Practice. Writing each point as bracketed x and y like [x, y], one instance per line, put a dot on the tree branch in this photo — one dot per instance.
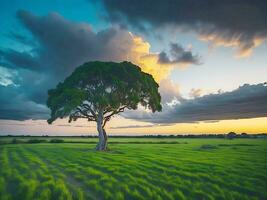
[83, 112]
[79, 113]
[90, 109]
[108, 117]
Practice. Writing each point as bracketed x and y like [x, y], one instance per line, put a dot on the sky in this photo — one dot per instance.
[209, 59]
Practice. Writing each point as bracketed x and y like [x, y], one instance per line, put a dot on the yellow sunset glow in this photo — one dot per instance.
[253, 125]
[140, 55]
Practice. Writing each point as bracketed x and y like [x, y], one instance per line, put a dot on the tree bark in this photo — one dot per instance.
[102, 143]
[106, 138]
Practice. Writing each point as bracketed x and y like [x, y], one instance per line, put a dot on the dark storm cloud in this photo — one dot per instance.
[63, 45]
[58, 47]
[248, 101]
[238, 23]
[178, 55]
[18, 59]
[16, 106]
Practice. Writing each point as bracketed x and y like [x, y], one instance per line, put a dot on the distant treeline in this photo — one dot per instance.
[19, 139]
[228, 135]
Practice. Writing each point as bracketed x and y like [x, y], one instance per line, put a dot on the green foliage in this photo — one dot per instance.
[63, 100]
[14, 141]
[106, 85]
[36, 141]
[231, 135]
[154, 170]
[56, 141]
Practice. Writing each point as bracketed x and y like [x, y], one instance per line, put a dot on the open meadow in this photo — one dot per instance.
[147, 168]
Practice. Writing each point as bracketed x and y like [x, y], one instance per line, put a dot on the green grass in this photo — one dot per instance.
[187, 169]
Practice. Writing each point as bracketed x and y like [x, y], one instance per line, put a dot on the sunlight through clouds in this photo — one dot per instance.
[242, 50]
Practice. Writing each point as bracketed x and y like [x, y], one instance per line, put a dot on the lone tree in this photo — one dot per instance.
[97, 91]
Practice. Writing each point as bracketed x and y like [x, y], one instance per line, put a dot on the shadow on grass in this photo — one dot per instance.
[207, 147]
[237, 145]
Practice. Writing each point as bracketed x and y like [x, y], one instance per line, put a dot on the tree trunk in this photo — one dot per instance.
[106, 138]
[102, 144]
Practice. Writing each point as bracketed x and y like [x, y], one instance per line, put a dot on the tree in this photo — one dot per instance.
[98, 90]
[231, 135]
[244, 135]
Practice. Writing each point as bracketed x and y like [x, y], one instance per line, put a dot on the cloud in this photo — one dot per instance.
[16, 106]
[239, 24]
[18, 37]
[169, 91]
[248, 101]
[178, 56]
[64, 45]
[194, 93]
[132, 126]
[7, 76]
[16, 59]
[56, 47]
[138, 126]
[244, 47]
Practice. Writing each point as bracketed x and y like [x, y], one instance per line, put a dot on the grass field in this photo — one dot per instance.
[184, 169]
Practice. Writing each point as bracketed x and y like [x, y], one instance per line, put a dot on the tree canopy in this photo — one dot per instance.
[102, 89]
